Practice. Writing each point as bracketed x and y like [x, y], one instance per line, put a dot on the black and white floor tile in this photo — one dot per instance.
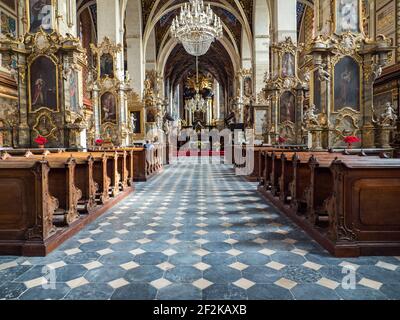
[196, 231]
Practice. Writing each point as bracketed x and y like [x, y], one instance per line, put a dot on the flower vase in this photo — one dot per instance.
[41, 146]
[349, 146]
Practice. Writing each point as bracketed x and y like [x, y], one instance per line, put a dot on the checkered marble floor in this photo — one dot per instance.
[196, 231]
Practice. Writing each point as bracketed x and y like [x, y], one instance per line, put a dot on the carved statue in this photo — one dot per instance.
[323, 75]
[377, 71]
[388, 117]
[148, 90]
[309, 117]
[132, 122]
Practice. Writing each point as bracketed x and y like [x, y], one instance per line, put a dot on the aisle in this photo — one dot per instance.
[195, 232]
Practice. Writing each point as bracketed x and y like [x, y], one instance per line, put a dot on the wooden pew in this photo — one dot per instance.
[363, 210]
[308, 192]
[83, 178]
[26, 206]
[61, 181]
[69, 197]
[102, 161]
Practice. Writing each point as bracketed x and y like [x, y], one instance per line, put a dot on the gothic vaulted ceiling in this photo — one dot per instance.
[228, 18]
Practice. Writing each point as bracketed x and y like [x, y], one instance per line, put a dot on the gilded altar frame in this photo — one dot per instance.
[135, 105]
[53, 130]
[106, 47]
[113, 92]
[333, 17]
[334, 4]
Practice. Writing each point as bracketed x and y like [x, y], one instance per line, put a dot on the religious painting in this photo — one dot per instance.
[248, 87]
[108, 108]
[287, 107]
[317, 92]
[136, 122]
[8, 25]
[10, 4]
[43, 86]
[347, 84]
[73, 91]
[347, 16]
[288, 65]
[41, 15]
[106, 65]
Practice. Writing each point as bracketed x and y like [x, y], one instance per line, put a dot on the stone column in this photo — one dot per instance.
[261, 60]
[134, 42]
[285, 20]
[109, 25]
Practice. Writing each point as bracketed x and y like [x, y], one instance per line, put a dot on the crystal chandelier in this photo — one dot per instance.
[196, 27]
[197, 103]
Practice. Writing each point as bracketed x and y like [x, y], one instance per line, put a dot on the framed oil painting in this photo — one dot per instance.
[108, 108]
[106, 65]
[8, 24]
[316, 98]
[347, 16]
[346, 84]
[43, 85]
[288, 65]
[287, 107]
[136, 122]
[73, 91]
[41, 15]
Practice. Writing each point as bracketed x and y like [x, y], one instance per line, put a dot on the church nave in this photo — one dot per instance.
[195, 231]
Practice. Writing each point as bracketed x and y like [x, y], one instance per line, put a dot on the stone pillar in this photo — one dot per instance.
[134, 42]
[261, 58]
[109, 25]
[285, 20]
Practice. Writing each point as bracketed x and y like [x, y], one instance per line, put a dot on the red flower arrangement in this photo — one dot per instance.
[41, 141]
[99, 142]
[281, 140]
[349, 140]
